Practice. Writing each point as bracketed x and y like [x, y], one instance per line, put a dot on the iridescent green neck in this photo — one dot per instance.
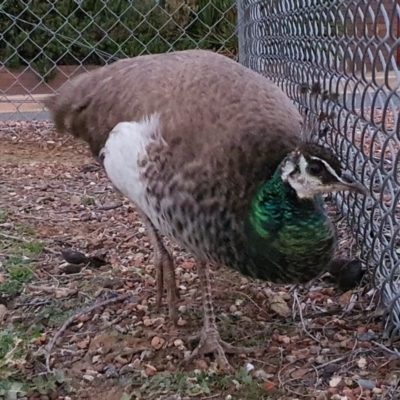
[287, 239]
[276, 203]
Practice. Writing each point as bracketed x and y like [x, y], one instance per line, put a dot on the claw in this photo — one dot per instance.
[211, 342]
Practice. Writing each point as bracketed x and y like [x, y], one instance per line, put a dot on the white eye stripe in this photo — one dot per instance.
[328, 167]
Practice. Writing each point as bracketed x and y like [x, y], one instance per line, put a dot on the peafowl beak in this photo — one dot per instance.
[347, 182]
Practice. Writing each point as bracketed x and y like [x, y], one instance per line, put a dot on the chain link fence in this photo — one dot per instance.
[349, 47]
[43, 43]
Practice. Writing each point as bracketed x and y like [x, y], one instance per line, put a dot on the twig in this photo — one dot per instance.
[110, 206]
[330, 362]
[52, 289]
[383, 347]
[16, 238]
[303, 324]
[23, 240]
[71, 319]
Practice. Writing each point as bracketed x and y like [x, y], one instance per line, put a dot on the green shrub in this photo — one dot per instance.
[44, 33]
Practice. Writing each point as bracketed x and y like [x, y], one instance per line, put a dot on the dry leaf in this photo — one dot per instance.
[83, 344]
[3, 311]
[299, 373]
[270, 386]
[279, 305]
[59, 294]
[157, 342]
[335, 381]
[345, 298]
[362, 363]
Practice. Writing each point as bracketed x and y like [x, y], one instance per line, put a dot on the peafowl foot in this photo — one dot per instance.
[165, 272]
[211, 343]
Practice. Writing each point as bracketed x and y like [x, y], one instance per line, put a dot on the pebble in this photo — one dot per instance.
[96, 359]
[88, 378]
[261, 375]
[126, 369]
[314, 349]
[232, 309]
[111, 371]
[366, 384]
[157, 342]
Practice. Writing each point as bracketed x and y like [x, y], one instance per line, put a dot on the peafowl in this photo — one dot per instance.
[212, 155]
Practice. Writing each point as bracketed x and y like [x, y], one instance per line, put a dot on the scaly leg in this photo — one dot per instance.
[210, 339]
[165, 272]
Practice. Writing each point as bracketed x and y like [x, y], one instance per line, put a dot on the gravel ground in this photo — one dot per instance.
[320, 342]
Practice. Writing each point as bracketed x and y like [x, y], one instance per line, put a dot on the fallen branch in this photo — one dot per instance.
[23, 240]
[70, 320]
[16, 238]
[57, 291]
[110, 206]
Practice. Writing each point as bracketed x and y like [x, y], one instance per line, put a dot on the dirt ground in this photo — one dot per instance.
[318, 343]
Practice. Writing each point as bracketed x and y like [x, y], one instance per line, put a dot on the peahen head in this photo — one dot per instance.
[313, 170]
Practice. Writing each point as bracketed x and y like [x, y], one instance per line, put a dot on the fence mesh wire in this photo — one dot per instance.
[348, 47]
[44, 43]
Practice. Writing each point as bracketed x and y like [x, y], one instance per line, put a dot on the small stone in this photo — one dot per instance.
[249, 367]
[96, 359]
[111, 371]
[121, 360]
[377, 390]
[150, 370]
[178, 342]
[157, 342]
[181, 322]
[232, 309]
[182, 309]
[366, 384]
[88, 378]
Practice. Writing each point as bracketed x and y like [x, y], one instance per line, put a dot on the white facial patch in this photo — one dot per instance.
[305, 184]
[329, 168]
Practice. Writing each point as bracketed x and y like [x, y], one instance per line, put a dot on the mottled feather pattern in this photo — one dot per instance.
[223, 136]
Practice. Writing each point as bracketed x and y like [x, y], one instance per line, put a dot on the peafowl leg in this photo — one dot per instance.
[210, 339]
[165, 272]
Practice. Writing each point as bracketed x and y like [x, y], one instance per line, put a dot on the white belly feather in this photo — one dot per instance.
[125, 147]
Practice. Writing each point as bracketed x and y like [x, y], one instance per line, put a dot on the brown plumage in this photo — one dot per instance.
[206, 133]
